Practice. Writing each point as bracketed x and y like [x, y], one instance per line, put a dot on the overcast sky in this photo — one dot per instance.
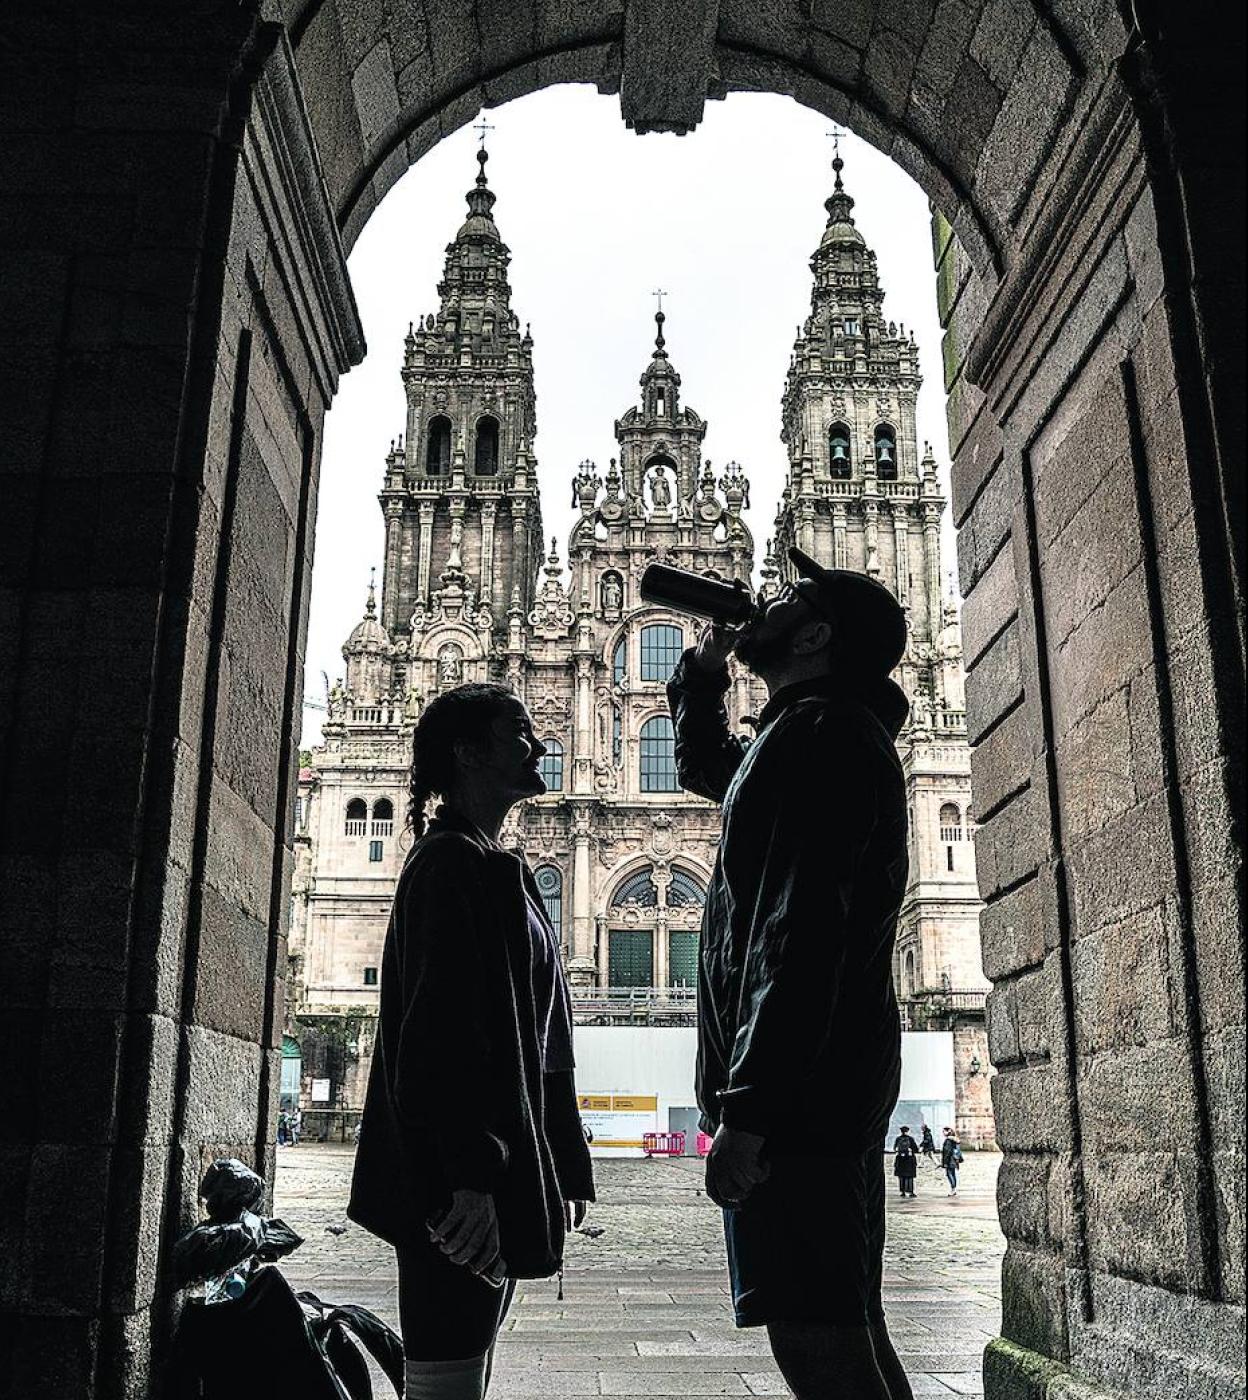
[596, 218]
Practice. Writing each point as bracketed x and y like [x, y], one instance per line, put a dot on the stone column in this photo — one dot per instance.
[662, 942]
[489, 510]
[390, 572]
[603, 948]
[806, 526]
[582, 967]
[583, 738]
[901, 536]
[520, 548]
[424, 549]
[931, 568]
[838, 535]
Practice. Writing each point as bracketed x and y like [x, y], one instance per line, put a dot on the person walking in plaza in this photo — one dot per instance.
[471, 1160]
[905, 1161]
[951, 1159]
[927, 1145]
[795, 995]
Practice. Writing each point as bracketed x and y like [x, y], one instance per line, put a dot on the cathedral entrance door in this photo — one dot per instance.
[630, 958]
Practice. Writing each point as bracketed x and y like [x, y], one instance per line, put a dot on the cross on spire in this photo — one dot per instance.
[837, 163]
[484, 128]
[659, 293]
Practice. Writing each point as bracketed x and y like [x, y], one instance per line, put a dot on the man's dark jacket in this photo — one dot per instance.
[457, 1096]
[799, 1037]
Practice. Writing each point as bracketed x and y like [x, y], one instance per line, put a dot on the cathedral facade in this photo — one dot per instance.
[469, 592]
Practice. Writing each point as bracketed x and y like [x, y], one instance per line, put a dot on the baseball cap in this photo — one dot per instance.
[869, 619]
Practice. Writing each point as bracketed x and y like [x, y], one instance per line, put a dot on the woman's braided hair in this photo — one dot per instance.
[448, 719]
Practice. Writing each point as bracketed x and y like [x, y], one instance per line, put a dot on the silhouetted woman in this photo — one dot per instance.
[471, 1162]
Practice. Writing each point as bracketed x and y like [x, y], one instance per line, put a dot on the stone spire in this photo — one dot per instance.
[660, 384]
[465, 509]
[858, 495]
[840, 206]
[367, 651]
[660, 439]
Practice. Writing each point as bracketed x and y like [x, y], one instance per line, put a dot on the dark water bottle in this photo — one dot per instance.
[687, 592]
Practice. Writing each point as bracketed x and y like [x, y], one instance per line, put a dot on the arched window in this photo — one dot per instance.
[357, 817]
[885, 453]
[485, 457]
[551, 765]
[550, 886]
[383, 817]
[907, 977]
[950, 830]
[438, 446]
[638, 889]
[661, 645]
[684, 891]
[839, 458]
[619, 661]
[658, 756]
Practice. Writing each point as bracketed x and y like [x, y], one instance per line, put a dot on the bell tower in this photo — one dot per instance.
[859, 495]
[463, 518]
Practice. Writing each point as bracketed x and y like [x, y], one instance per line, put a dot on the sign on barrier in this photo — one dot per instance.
[619, 1120]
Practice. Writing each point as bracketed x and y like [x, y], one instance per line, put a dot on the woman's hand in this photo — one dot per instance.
[735, 1166]
[468, 1233]
[574, 1213]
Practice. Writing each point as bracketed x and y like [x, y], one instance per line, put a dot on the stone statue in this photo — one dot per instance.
[455, 562]
[660, 490]
[450, 665]
[612, 593]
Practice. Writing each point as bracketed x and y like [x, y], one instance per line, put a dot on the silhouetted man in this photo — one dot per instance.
[905, 1161]
[799, 1058]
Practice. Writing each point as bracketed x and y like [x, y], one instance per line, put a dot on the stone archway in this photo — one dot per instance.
[184, 189]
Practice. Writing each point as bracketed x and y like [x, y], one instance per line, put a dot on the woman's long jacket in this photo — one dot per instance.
[458, 1097]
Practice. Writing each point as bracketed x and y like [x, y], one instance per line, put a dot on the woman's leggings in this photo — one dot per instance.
[951, 1172]
[446, 1313]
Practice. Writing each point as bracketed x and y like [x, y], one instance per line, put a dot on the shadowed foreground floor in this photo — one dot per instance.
[646, 1309]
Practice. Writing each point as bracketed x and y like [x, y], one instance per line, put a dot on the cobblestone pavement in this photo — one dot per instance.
[646, 1309]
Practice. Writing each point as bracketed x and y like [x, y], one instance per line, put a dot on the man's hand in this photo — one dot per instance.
[715, 645]
[735, 1166]
[468, 1233]
[574, 1214]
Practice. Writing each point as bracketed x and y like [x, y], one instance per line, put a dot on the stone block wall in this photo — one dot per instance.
[1104, 801]
[183, 330]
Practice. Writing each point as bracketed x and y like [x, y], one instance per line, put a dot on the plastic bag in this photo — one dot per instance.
[234, 1237]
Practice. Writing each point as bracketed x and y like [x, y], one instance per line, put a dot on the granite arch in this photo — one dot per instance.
[1082, 249]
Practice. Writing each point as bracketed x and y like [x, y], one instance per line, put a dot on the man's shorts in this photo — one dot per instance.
[808, 1244]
